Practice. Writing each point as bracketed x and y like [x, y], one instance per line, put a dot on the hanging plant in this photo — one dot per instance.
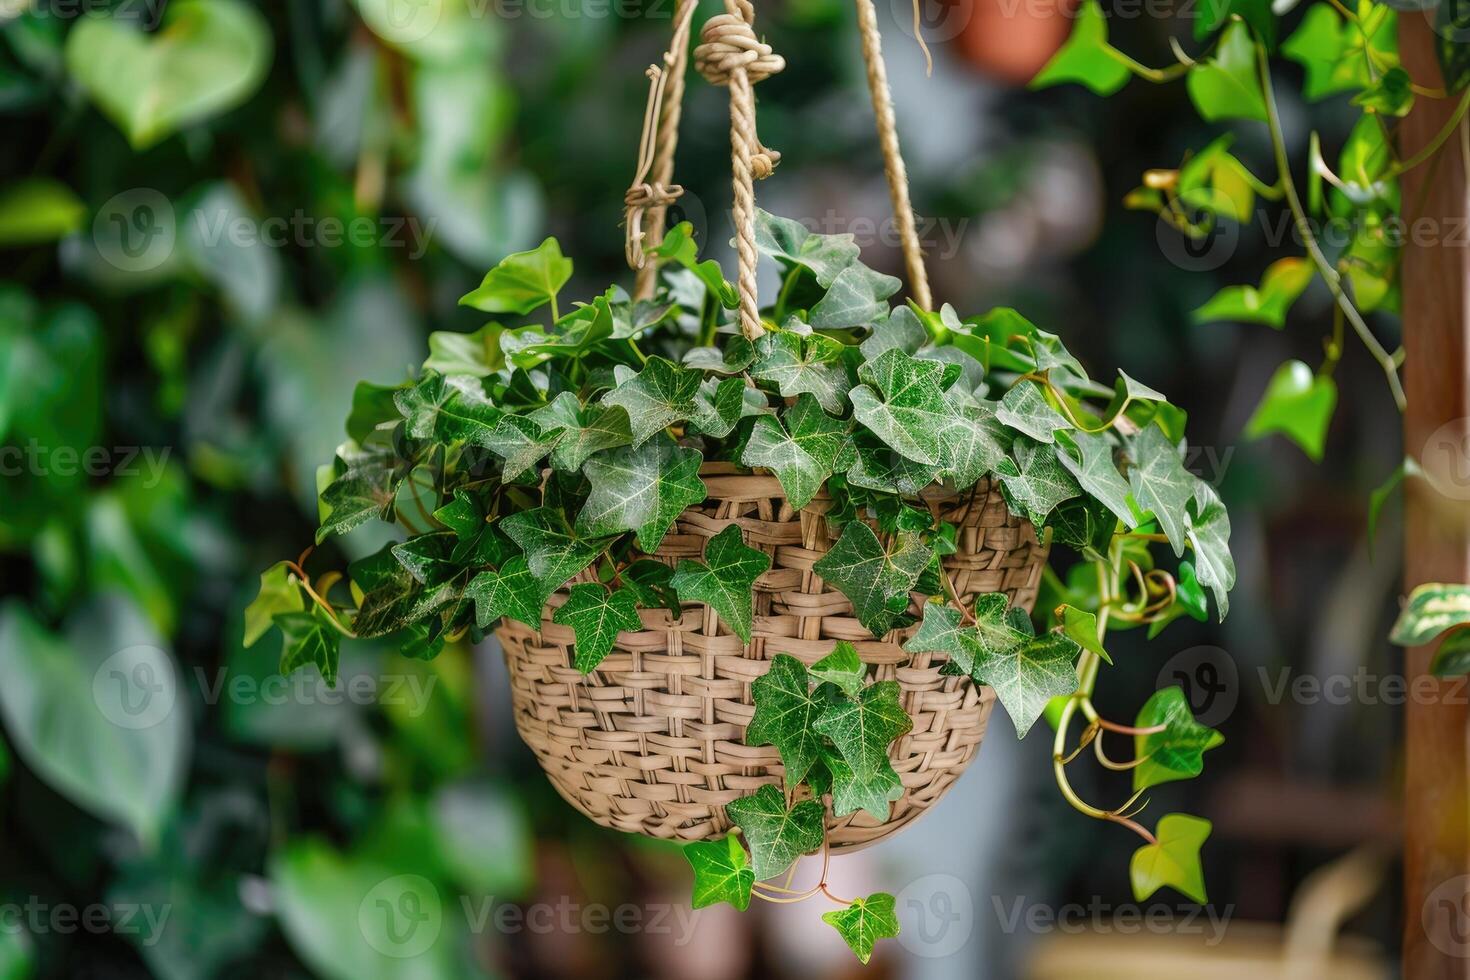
[766, 568]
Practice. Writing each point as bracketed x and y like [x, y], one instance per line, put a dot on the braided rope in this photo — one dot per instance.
[730, 54]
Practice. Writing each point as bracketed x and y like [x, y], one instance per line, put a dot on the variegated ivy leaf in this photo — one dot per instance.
[364, 490]
[864, 922]
[643, 490]
[1029, 675]
[511, 591]
[725, 580]
[798, 364]
[1209, 536]
[858, 297]
[734, 355]
[584, 430]
[1088, 456]
[632, 318]
[802, 449]
[943, 630]
[658, 396]
[1174, 860]
[863, 727]
[554, 552]
[974, 444]
[1432, 608]
[879, 468]
[721, 872]
[718, 406]
[777, 836]
[792, 243]
[1041, 484]
[842, 668]
[1161, 484]
[902, 330]
[1083, 523]
[521, 443]
[871, 791]
[876, 579]
[785, 711]
[309, 638]
[596, 616]
[1178, 751]
[908, 408]
[652, 583]
[1026, 409]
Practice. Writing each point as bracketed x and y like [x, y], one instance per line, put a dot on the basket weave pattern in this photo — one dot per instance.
[652, 741]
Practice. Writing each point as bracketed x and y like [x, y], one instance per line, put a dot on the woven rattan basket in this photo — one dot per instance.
[652, 741]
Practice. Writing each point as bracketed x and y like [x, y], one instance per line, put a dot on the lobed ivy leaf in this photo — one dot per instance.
[584, 430]
[718, 405]
[721, 872]
[1209, 536]
[1298, 404]
[776, 836]
[1081, 626]
[974, 444]
[876, 579]
[652, 584]
[363, 491]
[309, 638]
[596, 616]
[872, 791]
[876, 467]
[522, 281]
[1227, 86]
[658, 396]
[943, 631]
[477, 354]
[678, 246]
[863, 727]
[1029, 675]
[1040, 484]
[1284, 281]
[1086, 58]
[1174, 860]
[725, 580]
[803, 449]
[447, 409]
[785, 712]
[1178, 751]
[511, 591]
[864, 922]
[521, 443]
[902, 330]
[1026, 409]
[857, 297]
[642, 489]
[279, 593]
[554, 553]
[798, 364]
[1089, 458]
[908, 408]
[1161, 485]
[792, 243]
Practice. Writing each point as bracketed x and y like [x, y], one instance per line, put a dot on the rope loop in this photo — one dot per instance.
[728, 43]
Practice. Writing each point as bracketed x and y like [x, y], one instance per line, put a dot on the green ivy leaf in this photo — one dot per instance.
[596, 616]
[864, 922]
[522, 281]
[1432, 608]
[1097, 472]
[584, 430]
[652, 582]
[1026, 409]
[784, 714]
[1041, 482]
[643, 490]
[1086, 58]
[658, 396]
[875, 579]
[279, 593]
[792, 243]
[908, 408]
[38, 209]
[512, 591]
[553, 552]
[1389, 94]
[454, 409]
[1209, 535]
[1213, 180]
[476, 354]
[725, 580]
[1227, 86]
[902, 330]
[1174, 860]
[1161, 484]
[863, 727]
[1284, 281]
[973, 444]
[718, 405]
[798, 364]
[803, 449]
[871, 791]
[363, 491]
[879, 468]
[1029, 675]
[310, 638]
[1178, 751]
[1213, 14]
[721, 872]
[858, 297]
[777, 836]
[941, 631]
[1298, 404]
[842, 668]
[679, 246]
[1081, 627]
[521, 443]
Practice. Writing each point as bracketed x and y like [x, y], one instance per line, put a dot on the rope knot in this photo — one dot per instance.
[728, 43]
[639, 199]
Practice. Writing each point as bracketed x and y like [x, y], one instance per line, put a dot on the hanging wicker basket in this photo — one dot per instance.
[652, 741]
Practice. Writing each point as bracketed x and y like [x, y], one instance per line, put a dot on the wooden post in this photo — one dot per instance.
[1436, 374]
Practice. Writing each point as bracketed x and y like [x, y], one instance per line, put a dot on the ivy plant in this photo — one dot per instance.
[563, 440]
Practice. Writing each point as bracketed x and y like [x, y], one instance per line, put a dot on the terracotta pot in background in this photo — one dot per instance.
[1010, 40]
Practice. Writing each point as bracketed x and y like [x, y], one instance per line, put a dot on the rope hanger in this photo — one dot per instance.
[731, 55]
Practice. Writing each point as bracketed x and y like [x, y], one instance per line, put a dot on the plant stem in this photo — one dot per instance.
[1309, 240]
[1439, 140]
[1156, 75]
